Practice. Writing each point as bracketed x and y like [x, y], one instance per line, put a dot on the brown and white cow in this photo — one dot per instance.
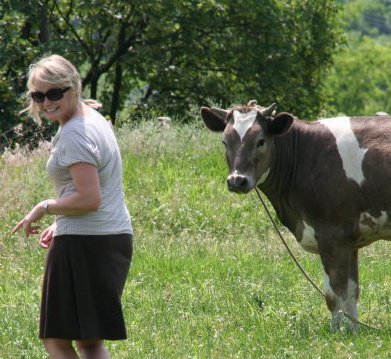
[329, 182]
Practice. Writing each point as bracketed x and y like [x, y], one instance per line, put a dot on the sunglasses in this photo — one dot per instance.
[52, 95]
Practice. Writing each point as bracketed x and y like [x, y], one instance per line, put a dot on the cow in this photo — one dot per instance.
[329, 182]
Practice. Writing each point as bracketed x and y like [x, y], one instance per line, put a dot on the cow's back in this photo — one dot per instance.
[374, 134]
[342, 177]
[364, 149]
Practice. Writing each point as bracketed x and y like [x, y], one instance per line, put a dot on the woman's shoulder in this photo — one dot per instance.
[88, 125]
[73, 127]
[96, 121]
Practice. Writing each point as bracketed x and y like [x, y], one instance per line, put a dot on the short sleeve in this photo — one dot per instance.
[77, 146]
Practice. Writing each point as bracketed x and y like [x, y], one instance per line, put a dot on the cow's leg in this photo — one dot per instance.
[340, 263]
[353, 289]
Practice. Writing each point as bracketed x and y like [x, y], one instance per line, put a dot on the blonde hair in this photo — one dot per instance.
[57, 71]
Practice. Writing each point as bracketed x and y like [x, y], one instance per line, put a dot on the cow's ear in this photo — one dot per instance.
[214, 118]
[281, 124]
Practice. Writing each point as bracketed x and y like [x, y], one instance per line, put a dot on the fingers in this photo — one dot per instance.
[28, 229]
[46, 237]
[45, 232]
[34, 230]
[33, 216]
[17, 227]
[25, 223]
[45, 245]
[45, 241]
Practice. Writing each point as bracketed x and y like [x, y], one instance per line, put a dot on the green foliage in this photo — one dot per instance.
[209, 277]
[16, 53]
[360, 81]
[368, 17]
[236, 51]
[175, 54]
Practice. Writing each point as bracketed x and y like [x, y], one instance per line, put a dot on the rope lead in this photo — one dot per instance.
[299, 265]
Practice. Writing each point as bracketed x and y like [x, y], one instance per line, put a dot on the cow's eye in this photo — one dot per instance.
[260, 143]
[224, 143]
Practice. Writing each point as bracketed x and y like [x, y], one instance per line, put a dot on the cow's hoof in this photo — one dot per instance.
[341, 323]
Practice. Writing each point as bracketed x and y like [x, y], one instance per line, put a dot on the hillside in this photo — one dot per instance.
[209, 279]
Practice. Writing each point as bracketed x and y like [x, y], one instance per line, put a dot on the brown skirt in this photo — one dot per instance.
[82, 287]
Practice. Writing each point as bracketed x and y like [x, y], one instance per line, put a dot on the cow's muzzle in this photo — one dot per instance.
[239, 183]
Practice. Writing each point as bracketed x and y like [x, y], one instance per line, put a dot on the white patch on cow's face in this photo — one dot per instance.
[243, 122]
[308, 240]
[370, 224]
[348, 147]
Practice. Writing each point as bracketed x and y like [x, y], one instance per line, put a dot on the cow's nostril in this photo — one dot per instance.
[237, 183]
[241, 181]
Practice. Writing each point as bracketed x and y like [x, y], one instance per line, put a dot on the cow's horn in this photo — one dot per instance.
[269, 110]
[220, 112]
[252, 103]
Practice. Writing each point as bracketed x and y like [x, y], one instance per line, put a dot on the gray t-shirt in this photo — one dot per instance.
[90, 139]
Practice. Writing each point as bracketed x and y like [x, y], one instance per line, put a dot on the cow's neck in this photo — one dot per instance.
[280, 184]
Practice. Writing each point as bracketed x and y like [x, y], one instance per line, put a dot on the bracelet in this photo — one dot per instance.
[46, 206]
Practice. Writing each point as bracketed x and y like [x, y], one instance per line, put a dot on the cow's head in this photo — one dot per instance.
[248, 138]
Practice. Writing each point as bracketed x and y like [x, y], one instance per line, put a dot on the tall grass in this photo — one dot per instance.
[209, 278]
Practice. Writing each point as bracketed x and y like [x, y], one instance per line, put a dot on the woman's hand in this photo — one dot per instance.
[46, 237]
[33, 216]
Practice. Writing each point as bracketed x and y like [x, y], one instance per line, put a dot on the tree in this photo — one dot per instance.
[18, 47]
[179, 53]
[359, 84]
[235, 51]
[368, 17]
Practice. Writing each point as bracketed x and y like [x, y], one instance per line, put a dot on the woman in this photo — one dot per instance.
[90, 242]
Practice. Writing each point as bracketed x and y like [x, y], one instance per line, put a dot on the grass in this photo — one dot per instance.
[209, 278]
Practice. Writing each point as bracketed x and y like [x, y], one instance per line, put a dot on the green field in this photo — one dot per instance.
[209, 279]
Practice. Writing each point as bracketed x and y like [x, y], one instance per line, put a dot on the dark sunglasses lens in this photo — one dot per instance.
[55, 94]
[38, 96]
[52, 95]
